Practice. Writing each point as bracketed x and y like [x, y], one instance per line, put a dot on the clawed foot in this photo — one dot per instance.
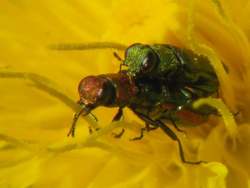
[118, 135]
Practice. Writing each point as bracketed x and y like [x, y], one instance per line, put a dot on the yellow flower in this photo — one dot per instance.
[36, 107]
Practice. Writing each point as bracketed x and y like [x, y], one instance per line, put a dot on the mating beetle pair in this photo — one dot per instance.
[160, 83]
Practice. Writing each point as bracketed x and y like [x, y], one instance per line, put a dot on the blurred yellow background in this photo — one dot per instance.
[34, 120]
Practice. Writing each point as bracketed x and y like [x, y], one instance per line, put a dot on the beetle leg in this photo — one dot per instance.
[146, 128]
[171, 118]
[176, 127]
[118, 115]
[140, 136]
[118, 135]
[171, 134]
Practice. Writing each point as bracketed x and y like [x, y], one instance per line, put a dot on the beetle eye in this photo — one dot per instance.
[149, 62]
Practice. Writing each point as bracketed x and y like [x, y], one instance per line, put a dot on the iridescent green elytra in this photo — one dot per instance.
[175, 66]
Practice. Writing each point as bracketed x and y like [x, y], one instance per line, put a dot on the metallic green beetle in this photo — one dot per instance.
[175, 66]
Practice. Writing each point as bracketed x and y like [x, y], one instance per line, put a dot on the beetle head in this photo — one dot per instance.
[140, 60]
[95, 91]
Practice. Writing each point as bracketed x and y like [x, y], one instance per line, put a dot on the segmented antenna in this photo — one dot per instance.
[87, 46]
[84, 112]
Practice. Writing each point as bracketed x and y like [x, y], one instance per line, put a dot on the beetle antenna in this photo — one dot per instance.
[93, 115]
[75, 119]
[117, 57]
[87, 46]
